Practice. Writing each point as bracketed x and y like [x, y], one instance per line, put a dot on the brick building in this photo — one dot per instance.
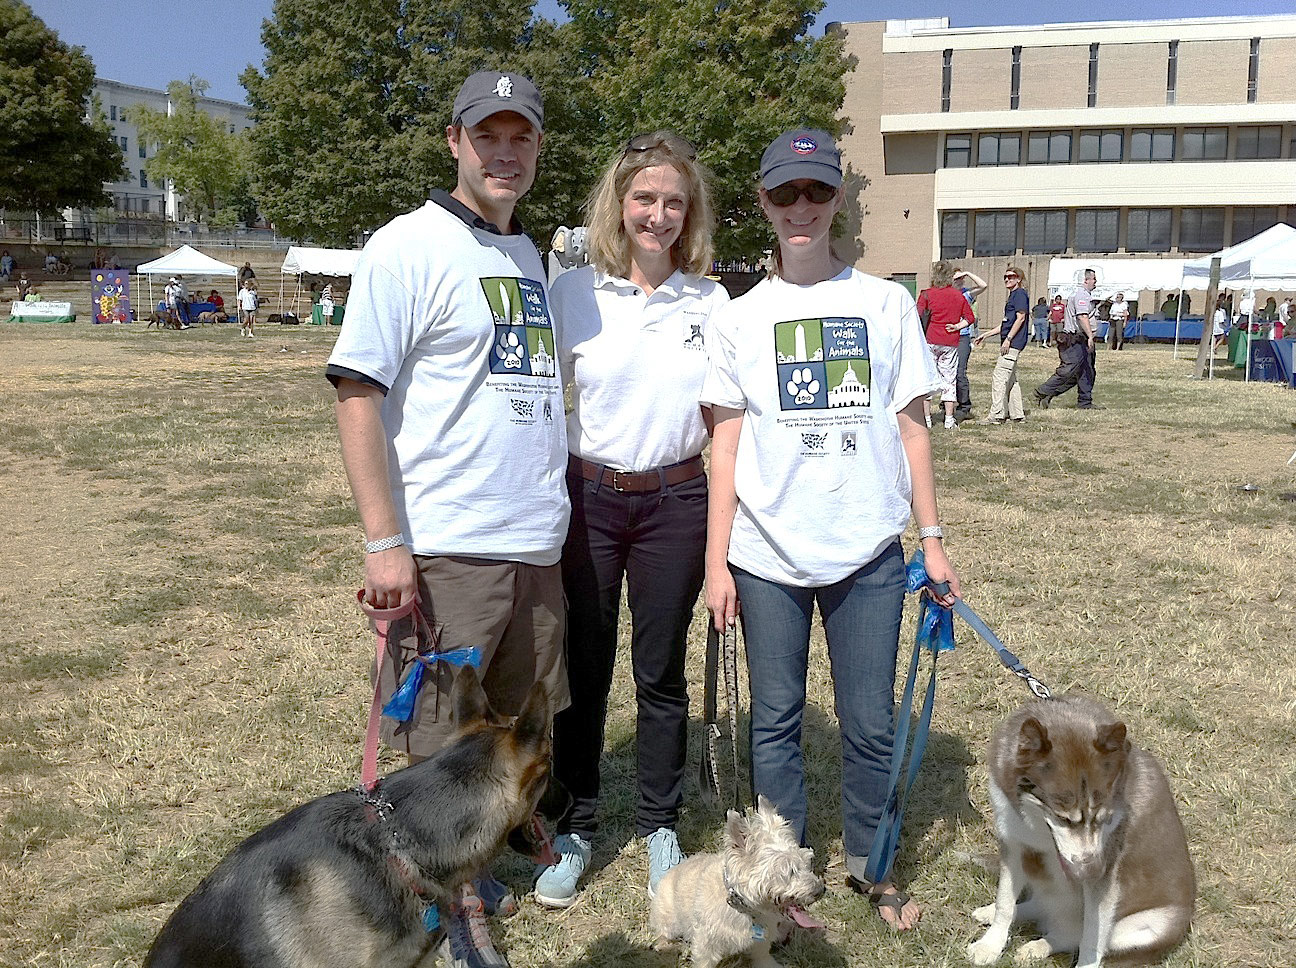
[997, 144]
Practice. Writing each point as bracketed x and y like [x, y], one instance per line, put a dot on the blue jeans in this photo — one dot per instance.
[861, 618]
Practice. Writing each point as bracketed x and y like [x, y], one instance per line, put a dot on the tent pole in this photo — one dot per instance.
[1250, 325]
[1178, 316]
[281, 288]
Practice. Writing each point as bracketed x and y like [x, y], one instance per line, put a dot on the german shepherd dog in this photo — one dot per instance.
[349, 880]
[1091, 847]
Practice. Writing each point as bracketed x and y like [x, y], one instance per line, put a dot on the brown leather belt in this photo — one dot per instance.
[636, 482]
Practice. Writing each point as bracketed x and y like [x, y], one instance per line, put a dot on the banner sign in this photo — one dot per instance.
[41, 312]
[110, 295]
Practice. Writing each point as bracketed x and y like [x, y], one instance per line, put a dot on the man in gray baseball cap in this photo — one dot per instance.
[445, 425]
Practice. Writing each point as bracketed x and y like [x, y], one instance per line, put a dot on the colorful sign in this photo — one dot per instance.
[110, 295]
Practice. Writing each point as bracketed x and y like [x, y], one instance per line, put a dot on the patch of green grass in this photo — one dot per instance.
[30, 825]
[76, 664]
[148, 606]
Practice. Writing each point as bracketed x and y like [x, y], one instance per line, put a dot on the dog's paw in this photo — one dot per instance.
[1032, 951]
[984, 952]
[984, 914]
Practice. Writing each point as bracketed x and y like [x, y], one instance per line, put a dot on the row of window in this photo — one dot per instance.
[1095, 230]
[1172, 75]
[1112, 145]
[114, 115]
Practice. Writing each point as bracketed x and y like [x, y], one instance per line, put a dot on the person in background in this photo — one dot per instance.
[247, 303]
[6, 266]
[1005, 394]
[853, 375]
[245, 273]
[972, 286]
[946, 315]
[633, 331]
[1039, 322]
[326, 304]
[1075, 343]
[1219, 324]
[1283, 322]
[1056, 316]
[1117, 317]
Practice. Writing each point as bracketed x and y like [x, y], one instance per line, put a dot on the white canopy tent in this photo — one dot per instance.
[305, 260]
[1264, 261]
[1115, 275]
[184, 261]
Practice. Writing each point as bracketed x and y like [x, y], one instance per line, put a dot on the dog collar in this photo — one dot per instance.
[379, 810]
[745, 908]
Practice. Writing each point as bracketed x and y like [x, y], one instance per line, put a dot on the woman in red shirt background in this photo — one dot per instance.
[945, 312]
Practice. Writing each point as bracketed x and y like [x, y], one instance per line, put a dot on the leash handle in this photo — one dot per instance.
[382, 619]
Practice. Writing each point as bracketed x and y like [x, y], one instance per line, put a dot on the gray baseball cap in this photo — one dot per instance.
[801, 153]
[490, 92]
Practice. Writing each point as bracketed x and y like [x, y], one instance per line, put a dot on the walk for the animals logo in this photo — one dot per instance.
[524, 339]
[823, 363]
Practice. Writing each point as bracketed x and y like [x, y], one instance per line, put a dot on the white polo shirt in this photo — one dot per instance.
[636, 364]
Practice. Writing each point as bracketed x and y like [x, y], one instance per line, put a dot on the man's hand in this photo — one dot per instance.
[1004, 347]
[391, 578]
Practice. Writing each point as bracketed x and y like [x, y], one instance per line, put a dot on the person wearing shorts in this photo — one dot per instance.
[450, 415]
[247, 301]
[946, 313]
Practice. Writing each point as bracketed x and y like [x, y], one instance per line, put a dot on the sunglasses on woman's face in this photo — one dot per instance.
[786, 195]
[647, 142]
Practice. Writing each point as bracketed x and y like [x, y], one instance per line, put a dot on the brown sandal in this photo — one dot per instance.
[894, 899]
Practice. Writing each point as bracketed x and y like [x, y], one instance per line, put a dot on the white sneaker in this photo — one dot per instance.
[556, 885]
[950, 423]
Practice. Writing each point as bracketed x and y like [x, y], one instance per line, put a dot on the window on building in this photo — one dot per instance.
[999, 149]
[1093, 75]
[231, 129]
[1102, 145]
[112, 112]
[1097, 229]
[1205, 144]
[954, 235]
[122, 116]
[958, 151]
[1201, 229]
[1172, 71]
[1264, 141]
[995, 233]
[1014, 98]
[947, 76]
[1046, 232]
[1149, 230]
[1048, 148]
[1253, 71]
[1152, 144]
[123, 144]
[143, 178]
[144, 205]
[1248, 222]
[142, 152]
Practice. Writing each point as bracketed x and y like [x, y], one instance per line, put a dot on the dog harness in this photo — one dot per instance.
[379, 810]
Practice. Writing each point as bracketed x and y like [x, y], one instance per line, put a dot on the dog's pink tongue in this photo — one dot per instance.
[803, 919]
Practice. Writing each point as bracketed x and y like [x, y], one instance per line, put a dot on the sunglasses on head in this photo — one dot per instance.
[647, 142]
[786, 195]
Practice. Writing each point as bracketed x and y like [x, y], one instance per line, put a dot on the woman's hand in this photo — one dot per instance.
[940, 570]
[721, 597]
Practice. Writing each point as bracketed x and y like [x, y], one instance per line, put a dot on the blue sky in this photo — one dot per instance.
[152, 42]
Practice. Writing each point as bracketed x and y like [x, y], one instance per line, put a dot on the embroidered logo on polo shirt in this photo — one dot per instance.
[823, 363]
[504, 86]
[804, 145]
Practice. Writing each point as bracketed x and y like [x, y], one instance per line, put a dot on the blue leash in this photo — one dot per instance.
[935, 633]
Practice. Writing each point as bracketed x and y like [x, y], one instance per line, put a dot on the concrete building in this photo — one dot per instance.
[138, 196]
[991, 145]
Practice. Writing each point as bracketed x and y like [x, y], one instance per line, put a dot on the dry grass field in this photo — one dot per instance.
[182, 657]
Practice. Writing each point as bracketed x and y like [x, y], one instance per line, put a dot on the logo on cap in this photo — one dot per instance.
[504, 87]
[804, 145]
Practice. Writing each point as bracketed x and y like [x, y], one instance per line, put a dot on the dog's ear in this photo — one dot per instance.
[467, 698]
[1032, 742]
[1111, 738]
[735, 830]
[531, 728]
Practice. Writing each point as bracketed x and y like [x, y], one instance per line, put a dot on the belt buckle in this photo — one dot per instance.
[616, 481]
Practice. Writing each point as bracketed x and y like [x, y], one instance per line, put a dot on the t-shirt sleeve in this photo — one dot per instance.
[381, 328]
[1083, 304]
[561, 308]
[914, 369]
[1020, 304]
[721, 387]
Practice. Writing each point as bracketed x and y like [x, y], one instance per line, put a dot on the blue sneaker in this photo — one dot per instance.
[663, 854]
[556, 885]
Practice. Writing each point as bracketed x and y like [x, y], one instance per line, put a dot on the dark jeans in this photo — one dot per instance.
[962, 388]
[861, 619]
[656, 541]
[1075, 370]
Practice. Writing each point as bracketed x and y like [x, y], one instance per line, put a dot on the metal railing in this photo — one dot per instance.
[135, 231]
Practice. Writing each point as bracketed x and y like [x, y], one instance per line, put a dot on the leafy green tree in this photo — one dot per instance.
[729, 75]
[194, 150]
[55, 147]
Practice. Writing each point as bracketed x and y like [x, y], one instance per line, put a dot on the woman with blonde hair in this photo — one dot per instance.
[633, 327]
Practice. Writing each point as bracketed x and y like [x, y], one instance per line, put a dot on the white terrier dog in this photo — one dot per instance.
[738, 900]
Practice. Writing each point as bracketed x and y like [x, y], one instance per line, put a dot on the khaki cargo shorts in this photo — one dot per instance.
[513, 612]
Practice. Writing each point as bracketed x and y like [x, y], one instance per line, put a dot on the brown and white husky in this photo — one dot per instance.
[1091, 847]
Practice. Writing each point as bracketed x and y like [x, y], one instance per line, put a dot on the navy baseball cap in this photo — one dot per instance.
[801, 153]
[490, 92]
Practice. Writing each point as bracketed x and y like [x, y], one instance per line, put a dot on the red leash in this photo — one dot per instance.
[382, 619]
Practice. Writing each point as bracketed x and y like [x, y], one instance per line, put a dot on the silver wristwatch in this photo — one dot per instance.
[384, 544]
[931, 532]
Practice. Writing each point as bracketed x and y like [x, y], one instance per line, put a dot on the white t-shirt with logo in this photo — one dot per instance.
[455, 321]
[247, 300]
[636, 364]
[821, 371]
